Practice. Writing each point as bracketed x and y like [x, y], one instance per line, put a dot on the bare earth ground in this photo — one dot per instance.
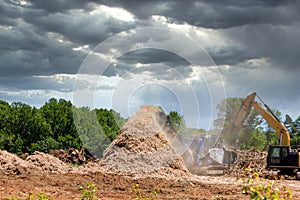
[111, 186]
[115, 187]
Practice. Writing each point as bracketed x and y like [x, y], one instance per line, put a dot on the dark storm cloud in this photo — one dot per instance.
[256, 28]
[38, 38]
[150, 55]
[80, 28]
[55, 6]
[229, 55]
[215, 14]
[278, 43]
[59, 83]
[159, 63]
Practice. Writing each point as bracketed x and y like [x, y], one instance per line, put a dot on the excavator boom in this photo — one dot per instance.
[267, 114]
[277, 125]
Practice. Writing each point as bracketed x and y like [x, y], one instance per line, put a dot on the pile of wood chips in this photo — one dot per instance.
[248, 162]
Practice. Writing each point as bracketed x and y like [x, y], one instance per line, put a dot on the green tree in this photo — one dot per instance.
[227, 111]
[6, 136]
[107, 123]
[90, 132]
[59, 115]
[177, 120]
[293, 128]
[40, 131]
[21, 127]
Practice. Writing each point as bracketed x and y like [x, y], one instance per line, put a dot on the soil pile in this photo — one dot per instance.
[48, 163]
[143, 146]
[12, 164]
[249, 161]
[35, 164]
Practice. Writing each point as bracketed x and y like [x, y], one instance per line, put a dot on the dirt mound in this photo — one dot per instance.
[12, 164]
[249, 161]
[143, 146]
[48, 163]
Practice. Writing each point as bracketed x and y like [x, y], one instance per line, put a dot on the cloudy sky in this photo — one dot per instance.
[180, 55]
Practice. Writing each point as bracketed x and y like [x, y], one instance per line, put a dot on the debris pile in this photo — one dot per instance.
[143, 146]
[249, 161]
[71, 156]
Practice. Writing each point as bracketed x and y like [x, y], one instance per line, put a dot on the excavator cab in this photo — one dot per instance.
[276, 155]
[283, 158]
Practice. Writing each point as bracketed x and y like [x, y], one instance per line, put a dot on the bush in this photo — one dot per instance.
[260, 189]
[139, 196]
[88, 191]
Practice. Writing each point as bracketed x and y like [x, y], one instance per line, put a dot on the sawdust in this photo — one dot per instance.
[143, 146]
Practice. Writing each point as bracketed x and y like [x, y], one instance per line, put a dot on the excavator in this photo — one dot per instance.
[282, 158]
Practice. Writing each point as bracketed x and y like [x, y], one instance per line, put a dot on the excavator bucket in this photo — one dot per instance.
[208, 166]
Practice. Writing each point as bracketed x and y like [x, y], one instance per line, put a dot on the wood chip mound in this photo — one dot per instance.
[249, 161]
[143, 147]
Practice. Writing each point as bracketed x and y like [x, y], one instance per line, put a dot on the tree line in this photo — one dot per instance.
[27, 129]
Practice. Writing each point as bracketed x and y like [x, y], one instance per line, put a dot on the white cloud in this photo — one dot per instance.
[115, 12]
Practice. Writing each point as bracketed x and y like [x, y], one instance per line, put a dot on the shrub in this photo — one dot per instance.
[88, 191]
[260, 189]
[139, 196]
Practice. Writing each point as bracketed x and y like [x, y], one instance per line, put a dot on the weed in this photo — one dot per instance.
[31, 196]
[88, 192]
[260, 189]
[74, 165]
[139, 196]
[42, 196]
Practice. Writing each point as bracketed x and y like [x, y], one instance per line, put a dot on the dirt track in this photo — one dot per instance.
[111, 186]
[114, 187]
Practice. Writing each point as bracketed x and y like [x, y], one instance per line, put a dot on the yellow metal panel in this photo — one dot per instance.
[299, 159]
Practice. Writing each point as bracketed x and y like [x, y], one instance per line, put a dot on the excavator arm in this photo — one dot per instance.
[229, 156]
[276, 124]
[267, 114]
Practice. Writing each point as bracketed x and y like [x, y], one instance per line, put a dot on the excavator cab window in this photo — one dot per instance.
[284, 153]
[275, 156]
[278, 154]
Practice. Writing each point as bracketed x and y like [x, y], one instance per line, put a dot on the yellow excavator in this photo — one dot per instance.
[283, 157]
